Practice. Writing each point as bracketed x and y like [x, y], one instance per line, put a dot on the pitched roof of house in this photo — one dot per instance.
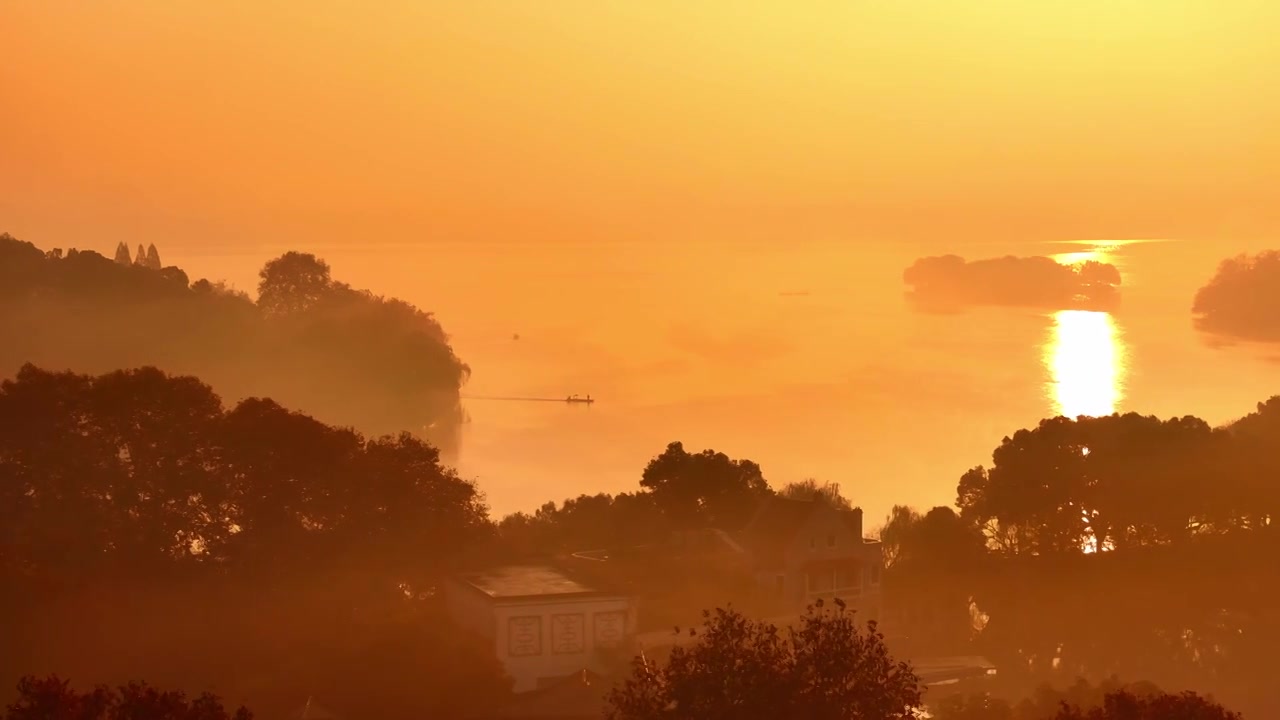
[779, 520]
[524, 582]
[944, 670]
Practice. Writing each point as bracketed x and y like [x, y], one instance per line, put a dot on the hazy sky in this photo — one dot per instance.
[410, 142]
[244, 122]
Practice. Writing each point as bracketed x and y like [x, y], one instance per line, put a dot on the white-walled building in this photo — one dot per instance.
[543, 624]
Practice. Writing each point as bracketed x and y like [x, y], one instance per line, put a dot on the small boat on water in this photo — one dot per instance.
[575, 399]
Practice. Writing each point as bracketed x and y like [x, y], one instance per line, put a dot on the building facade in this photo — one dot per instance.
[805, 550]
[544, 625]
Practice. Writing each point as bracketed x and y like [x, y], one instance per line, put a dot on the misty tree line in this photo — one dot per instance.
[1240, 302]
[141, 516]
[149, 532]
[136, 473]
[311, 342]
[1123, 546]
[949, 281]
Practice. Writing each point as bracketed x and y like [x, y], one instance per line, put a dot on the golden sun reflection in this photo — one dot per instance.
[1086, 360]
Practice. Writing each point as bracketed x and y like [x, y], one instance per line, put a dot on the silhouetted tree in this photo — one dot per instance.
[1127, 706]
[292, 283]
[137, 485]
[811, 489]
[704, 489]
[940, 539]
[588, 522]
[929, 585]
[1108, 700]
[740, 669]
[899, 523]
[1098, 484]
[54, 699]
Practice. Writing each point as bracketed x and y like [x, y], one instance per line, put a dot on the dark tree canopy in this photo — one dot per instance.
[678, 491]
[1124, 545]
[587, 522]
[938, 539]
[1108, 700]
[1127, 706]
[54, 699]
[293, 283]
[931, 561]
[741, 669]
[810, 489]
[140, 519]
[1242, 300]
[1106, 483]
[342, 355]
[137, 470]
[704, 489]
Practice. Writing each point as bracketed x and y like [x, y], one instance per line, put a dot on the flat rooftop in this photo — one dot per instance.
[526, 581]
[949, 670]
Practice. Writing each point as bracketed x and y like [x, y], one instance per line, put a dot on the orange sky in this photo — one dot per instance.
[391, 136]
[245, 122]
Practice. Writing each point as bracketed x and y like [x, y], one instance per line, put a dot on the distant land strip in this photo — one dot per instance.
[514, 399]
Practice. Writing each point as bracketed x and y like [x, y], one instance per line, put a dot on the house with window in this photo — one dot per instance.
[804, 550]
[544, 625]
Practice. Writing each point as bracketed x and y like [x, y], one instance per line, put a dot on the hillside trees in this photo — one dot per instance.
[310, 342]
[140, 518]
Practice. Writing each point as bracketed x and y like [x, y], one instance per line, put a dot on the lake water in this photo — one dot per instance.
[802, 357]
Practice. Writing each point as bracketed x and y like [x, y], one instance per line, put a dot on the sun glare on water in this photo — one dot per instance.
[1085, 359]
[1085, 354]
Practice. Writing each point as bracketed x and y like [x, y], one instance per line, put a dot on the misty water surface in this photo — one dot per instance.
[802, 357]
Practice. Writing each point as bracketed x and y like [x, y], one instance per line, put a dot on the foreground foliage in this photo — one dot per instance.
[1109, 700]
[54, 699]
[741, 669]
[148, 531]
